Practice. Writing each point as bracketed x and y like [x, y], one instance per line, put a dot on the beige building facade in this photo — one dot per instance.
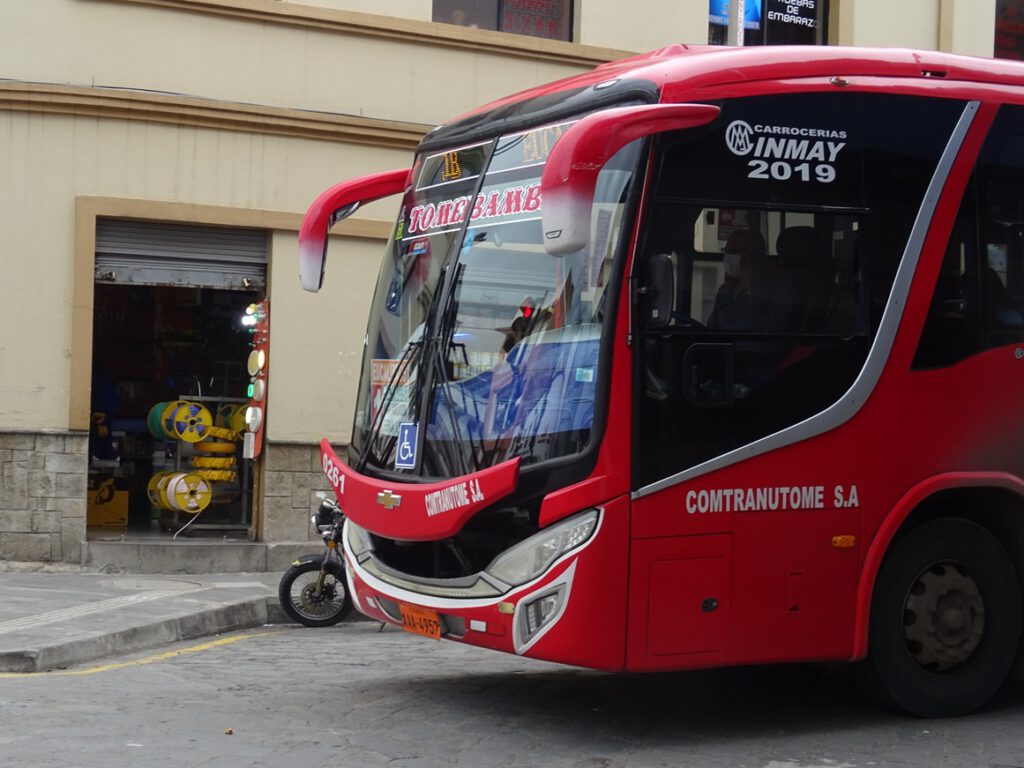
[192, 119]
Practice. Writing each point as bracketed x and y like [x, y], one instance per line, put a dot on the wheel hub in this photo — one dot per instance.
[943, 617]
[311, 598]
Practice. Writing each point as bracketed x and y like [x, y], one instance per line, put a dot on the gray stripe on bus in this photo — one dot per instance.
[844, 409]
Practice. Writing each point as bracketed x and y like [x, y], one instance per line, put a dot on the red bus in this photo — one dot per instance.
[704, 358]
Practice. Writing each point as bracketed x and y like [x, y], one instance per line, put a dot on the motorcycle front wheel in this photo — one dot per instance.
[303, 603]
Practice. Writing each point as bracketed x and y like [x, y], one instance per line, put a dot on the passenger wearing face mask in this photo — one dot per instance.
[738, 307]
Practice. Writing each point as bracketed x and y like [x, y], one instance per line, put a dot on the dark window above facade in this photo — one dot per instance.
[1009, 33]
[537, 18]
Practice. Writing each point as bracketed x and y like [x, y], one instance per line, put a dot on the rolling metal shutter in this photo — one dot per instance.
[145, 253]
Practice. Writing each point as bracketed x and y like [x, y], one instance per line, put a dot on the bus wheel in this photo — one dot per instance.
[945, 620]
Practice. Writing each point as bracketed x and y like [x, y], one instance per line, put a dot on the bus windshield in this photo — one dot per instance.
[489, 346]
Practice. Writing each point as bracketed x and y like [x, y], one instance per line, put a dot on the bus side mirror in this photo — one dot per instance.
[332, 206]
[656, 293]
[570, 175]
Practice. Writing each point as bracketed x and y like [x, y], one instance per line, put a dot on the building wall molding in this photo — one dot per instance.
[97, 206]
[174, 109]
[393, 28]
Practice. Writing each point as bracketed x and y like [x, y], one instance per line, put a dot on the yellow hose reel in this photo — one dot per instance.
[215, 446]
[154, 488]
[231, 416]
[187, 492]
[217, 475]
[191, 422]
[159, 419]
[213, 462]
[213, 438]
[223, 416]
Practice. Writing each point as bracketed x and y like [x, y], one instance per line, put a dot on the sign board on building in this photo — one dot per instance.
[718, 13]
[794, 22]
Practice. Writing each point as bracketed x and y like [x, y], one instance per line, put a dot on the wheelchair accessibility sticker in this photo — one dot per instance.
[405, 454]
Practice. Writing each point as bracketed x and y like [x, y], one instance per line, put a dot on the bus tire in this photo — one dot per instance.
[945, 620]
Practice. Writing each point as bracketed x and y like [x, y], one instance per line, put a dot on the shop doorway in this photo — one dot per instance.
[169, 381]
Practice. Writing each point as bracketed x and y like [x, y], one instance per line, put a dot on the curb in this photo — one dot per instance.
[226, 618]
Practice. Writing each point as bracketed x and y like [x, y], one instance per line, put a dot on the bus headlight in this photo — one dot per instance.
[530, 558]
[358, 539]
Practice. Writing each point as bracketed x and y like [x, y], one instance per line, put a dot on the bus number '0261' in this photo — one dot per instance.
[334, 476]
[780, 170]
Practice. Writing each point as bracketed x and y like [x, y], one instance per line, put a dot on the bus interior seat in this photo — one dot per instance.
[796, 248]
[846, 316]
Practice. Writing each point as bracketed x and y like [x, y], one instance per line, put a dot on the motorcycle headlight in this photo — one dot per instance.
[530, 558]
[323, 519]
[327, 513]
[358, 539]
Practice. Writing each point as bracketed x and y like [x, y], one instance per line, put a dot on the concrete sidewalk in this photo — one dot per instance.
[52, 620]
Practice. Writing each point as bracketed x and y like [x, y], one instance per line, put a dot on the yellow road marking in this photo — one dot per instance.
[137, 662]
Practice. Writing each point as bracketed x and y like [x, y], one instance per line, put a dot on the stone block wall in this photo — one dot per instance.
[291, 478]
[42, 496]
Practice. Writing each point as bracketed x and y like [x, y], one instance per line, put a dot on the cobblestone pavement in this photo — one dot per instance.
[353, 696]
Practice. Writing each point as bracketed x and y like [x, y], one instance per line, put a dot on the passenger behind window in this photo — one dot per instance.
[817, 289]
[799, 282]
[741, 299]
[952, 331]
[1000, 309]
[845, 315]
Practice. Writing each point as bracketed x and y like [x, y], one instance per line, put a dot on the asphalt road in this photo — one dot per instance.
[351, 696]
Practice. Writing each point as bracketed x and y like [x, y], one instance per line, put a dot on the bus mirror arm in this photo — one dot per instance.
[337, 203]
[570, 175]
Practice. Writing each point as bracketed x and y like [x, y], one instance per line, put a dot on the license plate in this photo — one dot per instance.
[422, 621]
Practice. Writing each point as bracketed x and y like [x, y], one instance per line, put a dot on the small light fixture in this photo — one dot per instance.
[257, 359]
[253, 418]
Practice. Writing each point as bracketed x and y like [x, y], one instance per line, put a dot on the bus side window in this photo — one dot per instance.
[1000, 176]
[978, 302]
[951, 332]
[804, 314]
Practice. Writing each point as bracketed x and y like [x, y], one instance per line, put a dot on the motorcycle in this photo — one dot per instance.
[314, 591]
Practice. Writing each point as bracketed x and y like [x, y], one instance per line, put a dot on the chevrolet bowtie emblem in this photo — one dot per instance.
[388, 500]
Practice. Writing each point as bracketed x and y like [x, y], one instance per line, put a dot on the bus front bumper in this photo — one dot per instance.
[568, 613]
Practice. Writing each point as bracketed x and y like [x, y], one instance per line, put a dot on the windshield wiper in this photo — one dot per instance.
[411, 355]
[444, 343]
